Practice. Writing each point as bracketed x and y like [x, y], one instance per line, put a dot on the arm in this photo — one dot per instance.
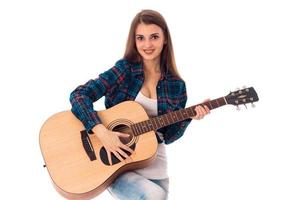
[175, 131]
[83, 97]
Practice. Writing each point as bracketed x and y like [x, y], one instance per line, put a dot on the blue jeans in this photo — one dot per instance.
[132, 186]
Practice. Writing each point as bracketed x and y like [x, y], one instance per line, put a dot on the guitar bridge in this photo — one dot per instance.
[87, 145]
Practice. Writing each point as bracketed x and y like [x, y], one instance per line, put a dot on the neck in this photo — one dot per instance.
[152, 66]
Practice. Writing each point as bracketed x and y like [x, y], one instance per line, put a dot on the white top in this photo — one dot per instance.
[158, 169]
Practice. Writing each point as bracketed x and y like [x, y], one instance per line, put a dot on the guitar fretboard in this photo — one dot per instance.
[158, 122]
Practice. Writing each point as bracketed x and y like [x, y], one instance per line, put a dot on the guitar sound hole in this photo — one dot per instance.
[114, 159]
[124, 129]
[129, 141]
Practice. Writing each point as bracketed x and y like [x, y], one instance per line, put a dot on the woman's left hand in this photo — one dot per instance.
[201, 111]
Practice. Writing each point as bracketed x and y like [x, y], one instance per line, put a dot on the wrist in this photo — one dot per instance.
[99, 128]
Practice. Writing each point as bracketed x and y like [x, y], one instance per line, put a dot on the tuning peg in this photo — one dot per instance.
[238, 108]
[253, 105]
[245, 106]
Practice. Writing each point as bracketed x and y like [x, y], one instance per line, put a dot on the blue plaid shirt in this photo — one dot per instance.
[123, 82]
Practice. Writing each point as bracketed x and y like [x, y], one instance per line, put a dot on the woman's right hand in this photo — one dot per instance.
[111, 142]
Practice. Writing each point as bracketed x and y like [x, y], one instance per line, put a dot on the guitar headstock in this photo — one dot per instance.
[243, 96]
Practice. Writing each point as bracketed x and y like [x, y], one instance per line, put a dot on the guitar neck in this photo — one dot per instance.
[158, 122]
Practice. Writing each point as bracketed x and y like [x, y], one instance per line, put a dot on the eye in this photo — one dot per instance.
[155, 37]
[139, 37]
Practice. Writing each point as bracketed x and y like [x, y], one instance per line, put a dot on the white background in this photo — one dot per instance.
[47, 48]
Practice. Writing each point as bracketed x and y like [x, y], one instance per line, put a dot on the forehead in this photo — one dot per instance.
[145, 29]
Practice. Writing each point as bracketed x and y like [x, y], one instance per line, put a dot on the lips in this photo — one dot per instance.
[148, 51]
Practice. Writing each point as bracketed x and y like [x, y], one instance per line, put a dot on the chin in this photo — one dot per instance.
[149, 58]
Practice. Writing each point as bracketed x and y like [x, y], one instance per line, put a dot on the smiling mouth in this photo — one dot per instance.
[150, 51]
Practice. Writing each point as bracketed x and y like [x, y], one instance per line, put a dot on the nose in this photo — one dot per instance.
[148, 43]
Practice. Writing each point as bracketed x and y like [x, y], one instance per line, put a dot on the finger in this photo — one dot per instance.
[109, 157]
[122, 153]
[194, 117]
[197, 116]
[204, 109]
[197, 111]
[123, 146]
[202, 112]
[207, 109]
[119, 134]
[118, 155]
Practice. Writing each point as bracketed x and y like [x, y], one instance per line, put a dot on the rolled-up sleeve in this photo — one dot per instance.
[175, 131]
[83, 97]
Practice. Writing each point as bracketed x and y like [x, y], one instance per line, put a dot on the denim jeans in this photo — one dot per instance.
[132, 186]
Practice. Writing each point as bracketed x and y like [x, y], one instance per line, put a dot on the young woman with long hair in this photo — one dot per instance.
[148, 75]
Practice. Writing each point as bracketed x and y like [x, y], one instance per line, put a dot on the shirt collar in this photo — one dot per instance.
[137, 70]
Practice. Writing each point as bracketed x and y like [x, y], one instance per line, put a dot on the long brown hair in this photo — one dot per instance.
[167, 60]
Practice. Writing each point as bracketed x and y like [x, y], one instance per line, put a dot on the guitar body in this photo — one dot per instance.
[74, 174]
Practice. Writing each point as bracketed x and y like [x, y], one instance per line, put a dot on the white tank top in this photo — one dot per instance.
[158, 169]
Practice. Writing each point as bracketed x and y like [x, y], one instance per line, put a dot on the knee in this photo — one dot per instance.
[158, 194]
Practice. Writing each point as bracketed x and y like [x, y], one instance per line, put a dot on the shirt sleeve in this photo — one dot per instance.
[175, 131]
[83, 97]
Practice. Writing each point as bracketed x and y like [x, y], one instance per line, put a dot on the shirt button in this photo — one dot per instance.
[158, 86]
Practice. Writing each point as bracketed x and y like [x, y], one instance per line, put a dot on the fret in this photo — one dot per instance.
[149, 125]
[153, 127]
[210, 106]
[167, 120]
[182, 117]
[155, 120]
[139, 128]
[155, 124]
[218, 102]
[133, 128]
[145, 128]
[161, 121]
[142, 126]
[175, 118]
[223, 102]
[152, 124]
[169, 116]
[214, 104]
[178, 117]
[164, 119]
[193, 112]
[184, 114]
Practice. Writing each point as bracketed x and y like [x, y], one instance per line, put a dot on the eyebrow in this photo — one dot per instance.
[150, 35]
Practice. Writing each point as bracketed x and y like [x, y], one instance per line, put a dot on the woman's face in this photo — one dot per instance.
[149, 40]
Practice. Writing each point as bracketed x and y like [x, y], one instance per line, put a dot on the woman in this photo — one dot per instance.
[146, 74]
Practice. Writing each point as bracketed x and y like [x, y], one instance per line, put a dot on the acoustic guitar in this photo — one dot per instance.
[77, 161]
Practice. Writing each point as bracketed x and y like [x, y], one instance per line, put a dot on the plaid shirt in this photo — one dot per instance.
[123, 82]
